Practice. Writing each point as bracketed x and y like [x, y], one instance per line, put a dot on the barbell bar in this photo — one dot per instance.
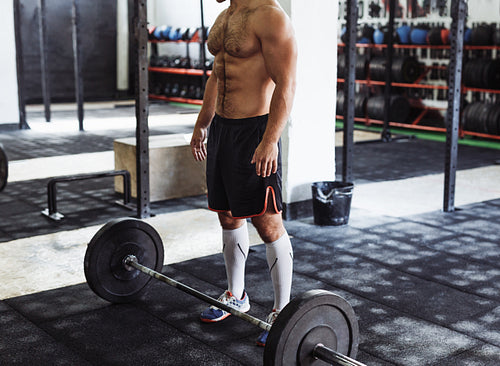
[326, 354]
[132, 262]
[315, 327]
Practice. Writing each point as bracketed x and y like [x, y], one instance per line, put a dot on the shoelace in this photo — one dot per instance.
[224, 298]
[272, 317]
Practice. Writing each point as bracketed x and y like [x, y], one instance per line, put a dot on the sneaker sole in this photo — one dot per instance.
[260, 344]
[215, 320]
[222, 317]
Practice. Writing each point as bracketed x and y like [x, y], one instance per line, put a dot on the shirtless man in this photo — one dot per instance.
[247, 101]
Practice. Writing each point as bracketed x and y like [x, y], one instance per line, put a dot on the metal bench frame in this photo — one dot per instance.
[51, 211]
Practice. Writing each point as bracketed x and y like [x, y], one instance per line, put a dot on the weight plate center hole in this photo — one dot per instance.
[119, 265]
[321, 334]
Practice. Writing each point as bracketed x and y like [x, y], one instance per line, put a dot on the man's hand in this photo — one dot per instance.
[265, 159]
[198, 144]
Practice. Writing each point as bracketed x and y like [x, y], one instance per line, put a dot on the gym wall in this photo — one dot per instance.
[8, 86]
[484, 10]
[98, 37]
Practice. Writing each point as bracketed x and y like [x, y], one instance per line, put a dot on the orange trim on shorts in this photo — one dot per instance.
[259, 214]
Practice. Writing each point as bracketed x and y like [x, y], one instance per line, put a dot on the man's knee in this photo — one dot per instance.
[228, 222]
[269, 226]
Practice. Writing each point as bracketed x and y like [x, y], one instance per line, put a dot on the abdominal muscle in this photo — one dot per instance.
[244, 89]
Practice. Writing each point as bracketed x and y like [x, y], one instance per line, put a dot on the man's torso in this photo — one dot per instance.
[244, 87]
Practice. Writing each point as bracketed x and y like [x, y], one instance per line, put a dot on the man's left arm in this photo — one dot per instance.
[279, 50]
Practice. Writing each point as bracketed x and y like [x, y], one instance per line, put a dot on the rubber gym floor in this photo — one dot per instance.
[424, 284]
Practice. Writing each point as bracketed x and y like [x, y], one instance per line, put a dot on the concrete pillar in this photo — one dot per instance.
[8, 86]
[309, 138]
[122, 45]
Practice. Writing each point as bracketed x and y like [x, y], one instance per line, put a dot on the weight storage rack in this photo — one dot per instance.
[203, 73]
[197, 77]
[379, 28]
[415, 122]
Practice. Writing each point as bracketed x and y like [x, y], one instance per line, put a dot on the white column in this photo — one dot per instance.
[8, 86]
[122, 45]
[309, 138]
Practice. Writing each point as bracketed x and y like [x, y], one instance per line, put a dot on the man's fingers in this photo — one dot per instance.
[265, 168]
[275, 167]
[200, 154]
[258, 167]
[269, 167]
[199, 151]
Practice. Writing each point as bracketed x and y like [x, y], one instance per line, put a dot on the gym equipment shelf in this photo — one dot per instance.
[423, 86]
[426, 46]
[401, 85]
[179, 41]
[176, 99]
[179, 71]
[414, 125]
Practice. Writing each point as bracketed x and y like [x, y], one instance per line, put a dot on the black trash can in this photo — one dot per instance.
[331, 202]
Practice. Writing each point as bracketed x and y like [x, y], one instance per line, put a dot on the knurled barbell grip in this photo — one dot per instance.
[133, 262]
[329, 355]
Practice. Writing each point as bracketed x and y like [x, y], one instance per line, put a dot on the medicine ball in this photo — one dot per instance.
[176, 35]
[467, 36]
[378, 36]
[438, 36]
[157, 33]
[343, 35]
[403, 34]
[418, 36]
[366, 35]
[445, 36]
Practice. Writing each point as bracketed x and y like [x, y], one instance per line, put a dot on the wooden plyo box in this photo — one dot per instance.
[173, 172]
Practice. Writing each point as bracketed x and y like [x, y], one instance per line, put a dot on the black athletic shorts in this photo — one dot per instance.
[233, 185]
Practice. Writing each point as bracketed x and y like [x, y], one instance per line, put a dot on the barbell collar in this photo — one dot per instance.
[131, 261]
[329, 355]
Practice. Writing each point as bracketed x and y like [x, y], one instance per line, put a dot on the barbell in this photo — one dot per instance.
[4, 168]
[315, 327]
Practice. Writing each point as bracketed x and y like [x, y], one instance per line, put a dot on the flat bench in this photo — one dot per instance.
[173, 172]
[51, 211]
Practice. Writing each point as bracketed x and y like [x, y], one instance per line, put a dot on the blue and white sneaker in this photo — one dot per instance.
[261, 341]
[214, 314]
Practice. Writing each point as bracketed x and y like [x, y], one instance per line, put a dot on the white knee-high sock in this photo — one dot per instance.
[235, 250]
[279, 256]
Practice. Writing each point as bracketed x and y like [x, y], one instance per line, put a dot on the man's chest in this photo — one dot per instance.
[234, 35]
